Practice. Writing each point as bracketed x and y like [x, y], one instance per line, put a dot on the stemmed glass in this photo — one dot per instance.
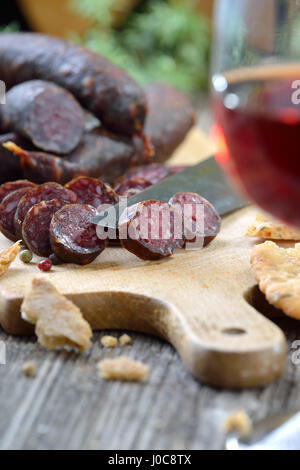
[256, 100]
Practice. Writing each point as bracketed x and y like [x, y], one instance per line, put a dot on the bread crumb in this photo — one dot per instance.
[29, 369]
[58, 322]
[238, 422]
[125, 340]
[123, 368]
[109, 341]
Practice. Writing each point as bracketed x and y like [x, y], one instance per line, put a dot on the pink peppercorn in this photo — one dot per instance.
[45, 265]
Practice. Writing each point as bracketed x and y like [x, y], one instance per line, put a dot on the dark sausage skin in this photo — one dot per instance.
[170, 117]
[9, 163]
[112, 155]
[131, 187]
[154, 173]
[98, 155]
[140, 178]
[200, 228]
[101, 87]
[73, 237]
[144, 230]
[36, 226]
[8, 209]
[41, 167]
[45, 114]
[45, 192]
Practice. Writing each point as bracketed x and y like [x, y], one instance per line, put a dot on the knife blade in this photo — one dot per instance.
[278, 432]
[206, 178]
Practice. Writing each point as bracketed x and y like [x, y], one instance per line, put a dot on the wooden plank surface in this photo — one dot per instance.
[68, 407]
[195, 300]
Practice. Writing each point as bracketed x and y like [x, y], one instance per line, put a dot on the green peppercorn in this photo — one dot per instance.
[26, 256]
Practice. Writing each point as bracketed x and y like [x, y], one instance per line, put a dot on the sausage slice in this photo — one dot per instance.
[201, 225]
[72, 235]
[10, 187]
[45, 114]
[151, 230]
[45, 192]
[92, 191]
[36, 226]
[8, 209]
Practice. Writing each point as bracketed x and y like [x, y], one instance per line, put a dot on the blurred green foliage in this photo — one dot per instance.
[10, 28]
[165, 40]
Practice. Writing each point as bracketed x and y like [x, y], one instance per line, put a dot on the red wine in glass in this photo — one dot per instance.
[257, 130]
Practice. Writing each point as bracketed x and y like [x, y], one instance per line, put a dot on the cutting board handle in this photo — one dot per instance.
[224, 341]
[230, 345]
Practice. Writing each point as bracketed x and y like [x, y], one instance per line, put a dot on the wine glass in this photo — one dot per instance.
[255, 96]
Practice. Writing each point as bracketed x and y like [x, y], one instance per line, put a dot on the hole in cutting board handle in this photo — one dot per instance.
[234, 331]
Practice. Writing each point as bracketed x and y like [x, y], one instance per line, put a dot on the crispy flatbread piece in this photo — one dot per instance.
[277, 271]
[58, 322]
[265, 226]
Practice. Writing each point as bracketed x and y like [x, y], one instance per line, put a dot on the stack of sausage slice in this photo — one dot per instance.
[51, 218]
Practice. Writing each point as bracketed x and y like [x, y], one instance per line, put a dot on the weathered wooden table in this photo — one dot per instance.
[66, 406]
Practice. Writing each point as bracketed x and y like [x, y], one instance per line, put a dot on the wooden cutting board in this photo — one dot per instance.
[195, 299]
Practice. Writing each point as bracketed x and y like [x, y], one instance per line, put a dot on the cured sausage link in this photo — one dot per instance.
[140, 178]
[170, 117]
[41, 167]
[9, 163]
[132, 186]
[44, 113]
[100, 154]
[101, 87]
[154, 173]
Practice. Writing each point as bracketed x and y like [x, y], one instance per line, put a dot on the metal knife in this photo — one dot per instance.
[206, 178]
[278, 432]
